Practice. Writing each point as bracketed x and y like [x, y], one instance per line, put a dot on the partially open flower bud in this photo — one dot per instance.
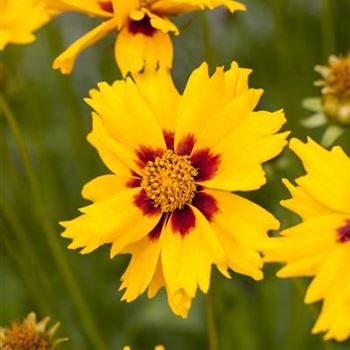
[29, 334]
[336, 88]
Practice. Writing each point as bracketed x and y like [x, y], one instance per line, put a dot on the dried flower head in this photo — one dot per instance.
[30, 335]
[336, 88]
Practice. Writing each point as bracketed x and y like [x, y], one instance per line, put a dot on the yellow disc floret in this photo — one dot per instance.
[169, 181]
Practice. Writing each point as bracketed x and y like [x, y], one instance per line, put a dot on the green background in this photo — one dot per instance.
[47, 160]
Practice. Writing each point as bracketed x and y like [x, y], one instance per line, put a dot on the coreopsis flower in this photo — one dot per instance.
[143, 27]
[20, 19]
[320, 246]
[175, 160]
[29, 334]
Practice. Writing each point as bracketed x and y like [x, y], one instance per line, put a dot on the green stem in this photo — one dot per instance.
[328, 28]
[311, 307]
[209, 50]
[211, 324]
[50, 232]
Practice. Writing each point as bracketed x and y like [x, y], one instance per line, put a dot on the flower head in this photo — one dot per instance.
[175, 160]
[320, 245]
[143, 27]
[336, 88]
[20, 18]
[29, 334]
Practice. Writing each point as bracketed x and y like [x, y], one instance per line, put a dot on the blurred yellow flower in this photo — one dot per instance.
[143, 27]
[29, 334]
[19, 19]
[175, 160]
[320, 245]
[157, 347]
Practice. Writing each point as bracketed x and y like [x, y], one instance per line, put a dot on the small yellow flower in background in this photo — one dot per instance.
[175, 159]
[19, 19]
[143, 27]
[158, 347]
[30, 334]
[320, 245]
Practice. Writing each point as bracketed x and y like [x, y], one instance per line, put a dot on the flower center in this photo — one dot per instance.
[24, 337]
[344, 233]
[339, 77]
[169, 181]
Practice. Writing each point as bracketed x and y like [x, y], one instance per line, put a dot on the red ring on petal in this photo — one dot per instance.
[156, 232]
[206, 162]
[142, 26]
[146, 154]
[344, 233]
[106, 6]
[146, 204]
[183, 220]
[186, 145]
[207, 204]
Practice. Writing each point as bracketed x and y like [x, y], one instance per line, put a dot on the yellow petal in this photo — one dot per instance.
[89, 7]
[158, 90]
[187, 259]
[326, 274]
[303, 204]
[202, 98]
[184, 6]
[141, 268]
[135, 52]
[116, 156]
[17, 26]
[161, 23]
[104, 186]
[252, 142]
[241, 227]
[328, 174]
[126, 117]
[66, 60]
[104, 222]
[179, 302]
[122, 9]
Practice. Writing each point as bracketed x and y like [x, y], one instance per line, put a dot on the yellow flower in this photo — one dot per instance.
[19, 19]
[175, 159]
[157, 347]
[29, 334]
[143, 27]
[320, 245]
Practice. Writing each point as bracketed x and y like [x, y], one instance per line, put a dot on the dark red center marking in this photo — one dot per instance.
[155, 233]
[186, 145]
[106, 6]
[344, 233]
[183, 220]
[146, 154]
[206, 162]
[207, 204]
[143, 26]
[169, 139]
[146, 204]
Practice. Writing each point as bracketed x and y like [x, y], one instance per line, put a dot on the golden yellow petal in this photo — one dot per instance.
[135, 52]
[66, 60]
[141, 268]
[328, 174]
[187, 259]
[184, 6]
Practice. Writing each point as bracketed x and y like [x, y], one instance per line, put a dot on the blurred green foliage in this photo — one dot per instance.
[41, 181]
